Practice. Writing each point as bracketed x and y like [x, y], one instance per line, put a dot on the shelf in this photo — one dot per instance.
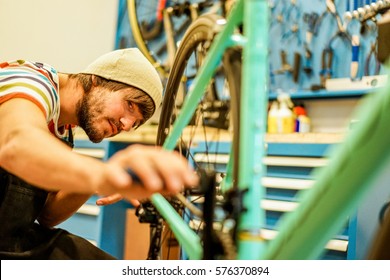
[312, 137]
[340, 88]
[325, 94]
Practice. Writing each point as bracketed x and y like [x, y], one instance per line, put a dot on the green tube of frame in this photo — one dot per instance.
[254, 100]
[187, 238]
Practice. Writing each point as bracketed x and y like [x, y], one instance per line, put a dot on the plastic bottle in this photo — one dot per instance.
[302, 123]
[298, 110]
[273, 118]
[286, 117]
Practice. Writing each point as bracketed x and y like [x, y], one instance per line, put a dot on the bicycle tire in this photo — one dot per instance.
[135, 19]
[149, 30]
[199, 34]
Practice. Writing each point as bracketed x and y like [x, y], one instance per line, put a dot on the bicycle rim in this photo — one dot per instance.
[211, 124]
[139, 12]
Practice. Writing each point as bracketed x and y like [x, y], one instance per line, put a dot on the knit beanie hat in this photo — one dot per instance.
[129, 66]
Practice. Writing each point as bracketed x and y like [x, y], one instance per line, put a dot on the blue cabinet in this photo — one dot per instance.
[289, 170]
[289, 166]
[354, 241]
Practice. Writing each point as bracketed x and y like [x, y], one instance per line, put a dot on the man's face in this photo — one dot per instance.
[103, 113]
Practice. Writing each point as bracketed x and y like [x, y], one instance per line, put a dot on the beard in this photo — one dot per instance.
[87, 112]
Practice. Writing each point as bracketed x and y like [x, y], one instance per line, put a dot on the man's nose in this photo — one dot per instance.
[127, 123]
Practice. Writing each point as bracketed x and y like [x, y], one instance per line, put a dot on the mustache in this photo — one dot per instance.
[117, 124]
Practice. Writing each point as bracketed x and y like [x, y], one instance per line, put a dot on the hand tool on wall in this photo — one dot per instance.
[326, 66]
[278, 10]
[285, 67]
[352, 21]
[330, 5]
[288, 68]
[307, 67]
[312, 20]
[355, 56]
[363, 14]
[326, 69]
[372, 56]
[297, 67]
[354, 39]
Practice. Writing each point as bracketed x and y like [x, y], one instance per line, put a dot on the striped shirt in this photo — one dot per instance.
[37, 82]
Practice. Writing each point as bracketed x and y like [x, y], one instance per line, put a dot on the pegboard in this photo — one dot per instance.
[310, 42]
[296, 62]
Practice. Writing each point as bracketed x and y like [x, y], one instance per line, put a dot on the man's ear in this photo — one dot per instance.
[94, 81]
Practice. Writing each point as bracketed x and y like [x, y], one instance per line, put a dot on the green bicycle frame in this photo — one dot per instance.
[254, 96]
[339, 187]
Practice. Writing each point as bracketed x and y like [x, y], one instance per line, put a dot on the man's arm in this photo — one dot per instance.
[31, 152]
[60, 206]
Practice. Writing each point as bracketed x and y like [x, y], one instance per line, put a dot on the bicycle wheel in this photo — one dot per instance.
[215, 121]
[146, 25]
[156, 36]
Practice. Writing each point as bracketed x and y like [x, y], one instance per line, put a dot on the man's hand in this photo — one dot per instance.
[158, 171]
[111, 199]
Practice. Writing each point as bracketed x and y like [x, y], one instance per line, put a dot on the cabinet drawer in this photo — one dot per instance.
[84, 223]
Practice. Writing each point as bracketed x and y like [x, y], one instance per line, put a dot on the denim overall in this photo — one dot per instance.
[21, 237]
[20, 205]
